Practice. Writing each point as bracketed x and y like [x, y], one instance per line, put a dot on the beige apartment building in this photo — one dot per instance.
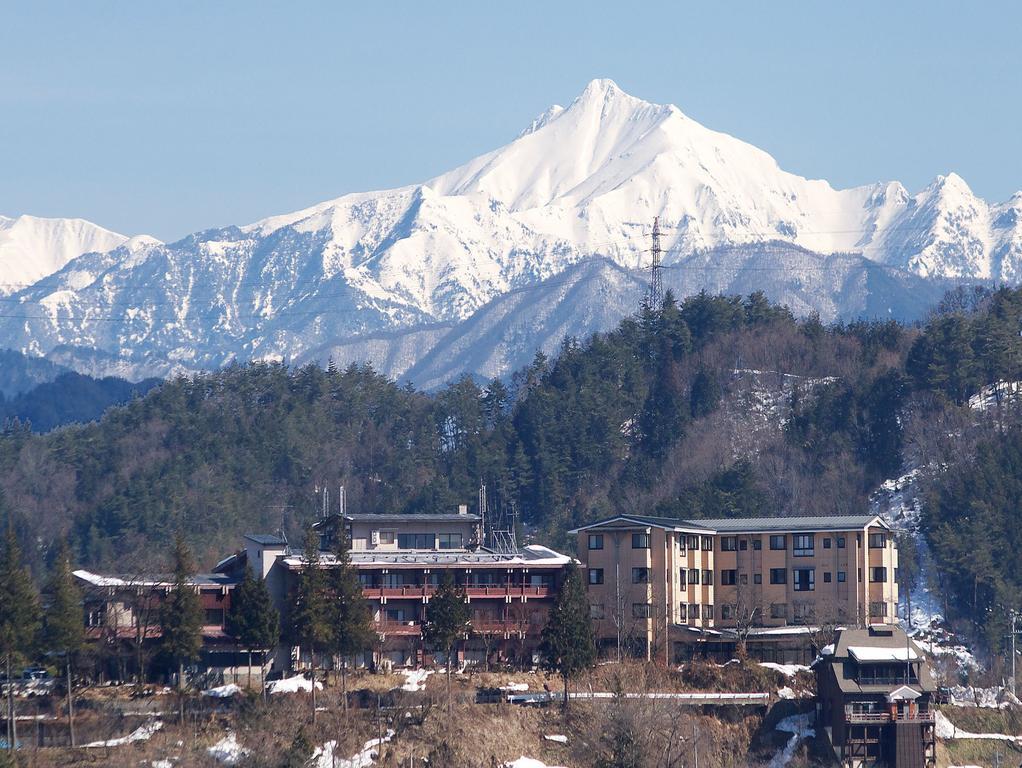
[658, 584]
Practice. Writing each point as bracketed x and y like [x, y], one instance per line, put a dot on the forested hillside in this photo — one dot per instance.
[714, 406]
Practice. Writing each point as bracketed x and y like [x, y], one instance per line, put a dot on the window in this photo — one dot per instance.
[708, 578]
[214, 617]
[640, 611]
[449, 541]
[778, 542]
[693, 611]
[387, 537]
[878, 574]
[877, 540]
[803, 545]
[727, 612]
[728, 578]
[757, 578]
[683, 612]
[640, 541]
[596, 611]
[804, 579]
[778, 610]
[683, 578]
[757, 545]
[826, 542]
[778, 576]
[840, 542]
[681, 544]
[595, 575]
[707, 543]
[595, 541]
[743, 544]
[802, 611]
[878, 609]
[860, 575]
[826, 577]
[693, 576]
[640, 575]
[728, 543]
[707, 611]
[693, 542]
[841, 577]
[415, 541]
[743, 578]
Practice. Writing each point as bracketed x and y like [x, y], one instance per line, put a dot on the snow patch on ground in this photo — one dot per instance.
[945, 729]
[415, 679]
[223, 691]
[799, 728]
[515, 687]
[1003, 393]
[786, 693]
[228, 751]
[558, 737]
[528, 762]
[788, 670]
[293, 685]
[142, 733]
[324, 757]
[996, 697]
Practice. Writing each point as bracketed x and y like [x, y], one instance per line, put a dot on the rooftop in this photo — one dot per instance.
[632, 521]
[151, 580]
[414, 517]
[266, 539]
[532, 555]
[806, 523]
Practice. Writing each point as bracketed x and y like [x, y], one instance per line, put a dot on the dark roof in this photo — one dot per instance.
[643, 521]
[807, 523]
[266, 539]
[885, 636]
[415, 517]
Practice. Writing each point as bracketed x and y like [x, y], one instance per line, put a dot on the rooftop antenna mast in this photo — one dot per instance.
[341, 501]
[656, 286]
[482, 512]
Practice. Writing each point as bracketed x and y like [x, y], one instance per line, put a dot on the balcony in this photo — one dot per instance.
[398, 628]
[880, 718]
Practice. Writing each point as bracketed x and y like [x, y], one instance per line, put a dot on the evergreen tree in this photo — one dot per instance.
[353, 630]
[19, 617]
[181, 618]
[705, 394]
[446, 623]
[252, 620]
[63, 633]
[569, 644]
[310, 612]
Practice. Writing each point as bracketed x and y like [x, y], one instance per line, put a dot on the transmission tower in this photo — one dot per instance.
[656, 286]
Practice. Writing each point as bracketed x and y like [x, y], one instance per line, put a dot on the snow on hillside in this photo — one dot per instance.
[32, 248]
[471, 253]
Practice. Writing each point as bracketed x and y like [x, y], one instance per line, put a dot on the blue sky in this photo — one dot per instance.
[166, 118]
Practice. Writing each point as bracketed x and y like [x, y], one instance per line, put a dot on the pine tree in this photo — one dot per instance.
[310, 615]
[353, 630]
[63, 633]
[252, 620]
[447, 622]
[181, 618]
[19, 617]
[569, 645]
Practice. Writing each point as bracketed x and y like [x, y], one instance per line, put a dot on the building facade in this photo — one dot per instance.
[874, 693]
[656, 584]
[400, 560]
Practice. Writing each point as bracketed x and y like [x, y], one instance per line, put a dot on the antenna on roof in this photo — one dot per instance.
[482, 512]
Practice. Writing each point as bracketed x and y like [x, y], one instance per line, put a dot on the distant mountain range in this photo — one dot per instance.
[473, 271]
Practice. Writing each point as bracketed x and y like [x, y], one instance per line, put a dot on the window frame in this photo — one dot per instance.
[642, 574]
[778, 538]
[798, 545]
[809, 585]
[595, 538]
[778, 573]
[595, 576]
[641, 537]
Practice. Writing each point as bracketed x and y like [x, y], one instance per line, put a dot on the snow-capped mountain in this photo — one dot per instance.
[470, 271]
[32, 247]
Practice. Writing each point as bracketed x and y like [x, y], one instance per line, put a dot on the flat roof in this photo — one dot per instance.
[532, 555]
[397, 517]
[152, 580]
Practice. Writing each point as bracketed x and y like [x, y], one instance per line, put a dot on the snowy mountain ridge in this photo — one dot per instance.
[569, 201]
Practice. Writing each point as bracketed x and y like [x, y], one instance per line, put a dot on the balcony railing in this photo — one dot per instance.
[471, 590]
[874, 718]
[477, 627]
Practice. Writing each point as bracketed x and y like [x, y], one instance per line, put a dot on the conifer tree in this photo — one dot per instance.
[352, 617]
[569, 645]
[63, 633]
[19, 617]
[181, 618]
[447, 622]
[252, 620]
[310, 615]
